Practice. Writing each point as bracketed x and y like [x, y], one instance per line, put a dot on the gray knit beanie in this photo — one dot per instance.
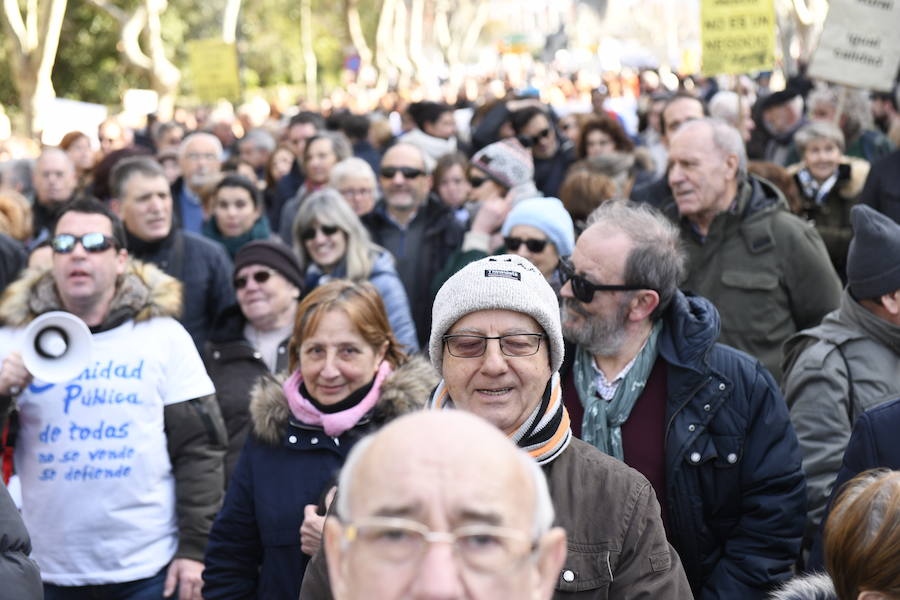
[873, 262]
[505, 282]
[507, 162]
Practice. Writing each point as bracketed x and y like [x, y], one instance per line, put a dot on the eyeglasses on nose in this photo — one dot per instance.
[487, 549]
[534, 246]
[310, 232]
[473, 346]
[64, 243]
[261, 276]
[583, 290]
[407, 172]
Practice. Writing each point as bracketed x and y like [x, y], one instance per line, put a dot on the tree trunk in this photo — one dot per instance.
[355, 32]
[309, 55]
[35, 42]
[230, 21]
[386, 69]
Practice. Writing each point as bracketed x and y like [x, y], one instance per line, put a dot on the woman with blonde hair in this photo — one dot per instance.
[348, 376]
[332, 243]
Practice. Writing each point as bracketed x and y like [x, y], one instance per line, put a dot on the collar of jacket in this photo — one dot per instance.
[872, 326]
[405, 390]
[142, 293]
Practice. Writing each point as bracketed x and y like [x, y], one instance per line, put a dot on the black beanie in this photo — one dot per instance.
[873, 262]
[274, 255]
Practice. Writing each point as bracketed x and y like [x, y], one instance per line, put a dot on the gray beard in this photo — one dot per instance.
[598, 335]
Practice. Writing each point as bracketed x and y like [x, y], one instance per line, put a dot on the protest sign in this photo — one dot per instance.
[737, 36]
[214, 70]
[859, 45]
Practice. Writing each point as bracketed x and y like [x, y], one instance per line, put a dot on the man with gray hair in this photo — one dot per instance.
[765, 269]
[649, 385]
[200, 158]
[442, 505]
[255, 148]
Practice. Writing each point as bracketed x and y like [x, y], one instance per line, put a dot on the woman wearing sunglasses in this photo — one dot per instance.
[251, 338]
[539, 229]
[332, 243]
[348, 377]
[236, 214]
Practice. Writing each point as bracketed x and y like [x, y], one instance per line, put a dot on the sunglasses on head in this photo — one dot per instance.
[408, 172]
[64, 243]
[259, 277]
[583, 290]
[310, 232]
[534, 246]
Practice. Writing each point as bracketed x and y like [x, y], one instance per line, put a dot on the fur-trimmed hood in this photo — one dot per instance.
[403, 391]
[816, 586]
[142, 292]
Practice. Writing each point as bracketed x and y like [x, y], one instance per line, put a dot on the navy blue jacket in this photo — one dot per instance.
[736, 494]
[874, 444]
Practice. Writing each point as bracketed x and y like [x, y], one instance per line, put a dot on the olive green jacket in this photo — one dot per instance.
[765, 269]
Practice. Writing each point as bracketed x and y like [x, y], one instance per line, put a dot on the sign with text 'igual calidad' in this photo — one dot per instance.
[859, 45]
[737, 36]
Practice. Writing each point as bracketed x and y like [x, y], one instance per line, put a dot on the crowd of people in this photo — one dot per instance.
[687, 334]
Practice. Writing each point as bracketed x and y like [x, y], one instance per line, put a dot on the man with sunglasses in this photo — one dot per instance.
[414, 226]
[142, 199]
[706, 424]
[552, 156]
[121, 466]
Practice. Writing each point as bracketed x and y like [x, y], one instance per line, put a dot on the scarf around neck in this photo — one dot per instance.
[603, 420]
[543, 435]
[259, 231]
[336, 423]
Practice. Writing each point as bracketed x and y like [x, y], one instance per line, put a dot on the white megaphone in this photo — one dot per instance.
[57, 347]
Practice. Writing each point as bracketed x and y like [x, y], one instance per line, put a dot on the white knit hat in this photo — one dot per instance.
[506, 282]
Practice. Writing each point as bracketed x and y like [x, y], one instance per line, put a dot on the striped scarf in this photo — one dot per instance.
[543, 435]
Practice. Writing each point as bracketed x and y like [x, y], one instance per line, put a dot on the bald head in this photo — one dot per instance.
[54, 177]
[405, 180]
[444, 470]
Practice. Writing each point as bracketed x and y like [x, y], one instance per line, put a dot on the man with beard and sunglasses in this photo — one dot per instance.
[415, 227]
[705, 423]
[121, 464]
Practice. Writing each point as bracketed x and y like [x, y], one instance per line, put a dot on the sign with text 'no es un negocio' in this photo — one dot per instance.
[860, 45]
[737, 36]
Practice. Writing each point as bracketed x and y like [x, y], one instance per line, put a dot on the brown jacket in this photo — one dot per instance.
[617, 547]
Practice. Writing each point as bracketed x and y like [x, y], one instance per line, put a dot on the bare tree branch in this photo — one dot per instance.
[16, 24]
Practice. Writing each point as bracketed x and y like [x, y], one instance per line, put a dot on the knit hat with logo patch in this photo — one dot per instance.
[507, 162]
[505, 282]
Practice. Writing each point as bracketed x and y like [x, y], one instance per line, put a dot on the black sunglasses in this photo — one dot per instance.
[64, 243]
[310, 232]
[408, 172]
[477, 182]
[534, 246]
[583, 290]
[542, 134]
[259, 277]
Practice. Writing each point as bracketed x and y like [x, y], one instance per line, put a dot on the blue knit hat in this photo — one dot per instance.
[547, 214]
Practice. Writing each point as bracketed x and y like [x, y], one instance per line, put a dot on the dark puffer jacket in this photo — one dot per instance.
[735, 489]
[20, 575]
[234, 366]
[254, 546]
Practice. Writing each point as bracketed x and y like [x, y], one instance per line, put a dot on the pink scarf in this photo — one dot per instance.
[337, 423]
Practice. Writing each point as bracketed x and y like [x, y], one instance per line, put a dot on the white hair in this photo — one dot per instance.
[182, 147]
[351, 167]
[543, 504]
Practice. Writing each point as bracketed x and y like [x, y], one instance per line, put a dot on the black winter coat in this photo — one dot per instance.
[19, 575]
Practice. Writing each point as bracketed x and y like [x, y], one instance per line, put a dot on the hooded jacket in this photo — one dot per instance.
[817, 586]
[765, 269]
[735, 490]
[194, 429]
[254, 548]
[833, 374]
[20, 575]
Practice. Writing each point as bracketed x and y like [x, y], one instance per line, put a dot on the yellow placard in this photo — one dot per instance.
[737, 36]
[214, 70]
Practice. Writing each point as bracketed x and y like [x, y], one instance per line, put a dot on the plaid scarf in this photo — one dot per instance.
[543, 435]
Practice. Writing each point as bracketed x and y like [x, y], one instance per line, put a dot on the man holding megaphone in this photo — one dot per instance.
[120, 443]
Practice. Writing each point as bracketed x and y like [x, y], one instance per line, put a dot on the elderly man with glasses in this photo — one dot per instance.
[120, 465]
[497, 342]
[705, 423]
[442, 505]
[414, 226]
